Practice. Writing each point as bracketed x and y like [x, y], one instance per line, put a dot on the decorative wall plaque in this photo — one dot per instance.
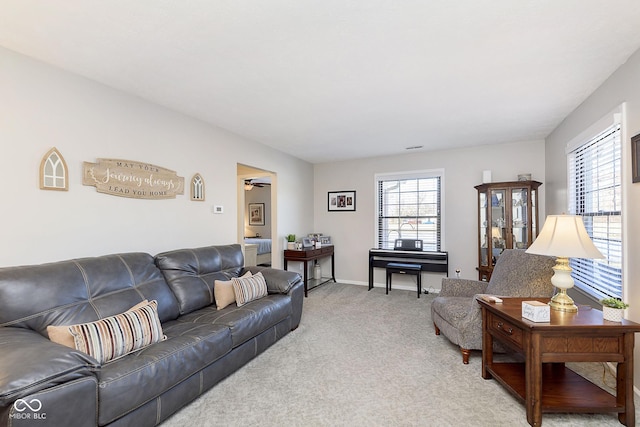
[128, 178]
[197, 188]
[54, 174]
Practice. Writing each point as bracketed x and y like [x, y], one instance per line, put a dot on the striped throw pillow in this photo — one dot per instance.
[249, 288]
[62, 334]
[223, 292]
[113, 337]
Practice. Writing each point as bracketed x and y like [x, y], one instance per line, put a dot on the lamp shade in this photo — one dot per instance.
[564, 236]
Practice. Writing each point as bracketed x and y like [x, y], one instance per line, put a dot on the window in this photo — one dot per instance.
[595, 193]
[409, 206]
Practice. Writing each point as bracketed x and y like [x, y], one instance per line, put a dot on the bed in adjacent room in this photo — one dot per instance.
[264, 249]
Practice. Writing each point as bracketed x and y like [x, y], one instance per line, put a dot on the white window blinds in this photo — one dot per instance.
[409, 207]
[595, 193]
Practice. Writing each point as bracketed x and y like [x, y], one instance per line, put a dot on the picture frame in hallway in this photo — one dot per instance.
[256, 213]
[341, 201]
[635, 158]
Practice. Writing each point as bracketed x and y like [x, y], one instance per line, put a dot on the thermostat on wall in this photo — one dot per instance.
[218, 209]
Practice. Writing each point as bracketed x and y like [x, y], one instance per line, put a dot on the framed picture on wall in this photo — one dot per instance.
[341, 201]
[635, 158]
[256, 213]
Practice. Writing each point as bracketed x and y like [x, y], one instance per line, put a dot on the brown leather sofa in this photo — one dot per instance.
[44, 383]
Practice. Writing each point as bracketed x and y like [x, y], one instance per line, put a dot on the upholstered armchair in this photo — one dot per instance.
[456, 313]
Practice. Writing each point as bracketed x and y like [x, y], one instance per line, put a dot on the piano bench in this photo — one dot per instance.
[404, 268]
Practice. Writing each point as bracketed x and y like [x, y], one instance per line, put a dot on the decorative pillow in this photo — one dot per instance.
[249, 289]
[223, 292]
[113, 337]
[62, 334]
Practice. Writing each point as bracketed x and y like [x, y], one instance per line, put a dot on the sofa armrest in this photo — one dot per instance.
[453, 287]
[30, 363]
[278, 281]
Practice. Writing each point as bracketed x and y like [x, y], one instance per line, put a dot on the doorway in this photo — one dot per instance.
[257, 214]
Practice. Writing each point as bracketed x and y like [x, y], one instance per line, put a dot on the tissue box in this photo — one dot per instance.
[536, 311]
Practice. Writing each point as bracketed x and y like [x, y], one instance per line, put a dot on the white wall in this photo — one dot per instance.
[42, 107]
[621, 87]
[353, 233]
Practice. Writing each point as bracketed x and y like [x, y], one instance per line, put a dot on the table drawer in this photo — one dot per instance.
[505, 330]
[326, 249]
[308, 253]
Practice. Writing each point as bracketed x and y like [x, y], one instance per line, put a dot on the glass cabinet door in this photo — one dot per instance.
[485, 245]
[499, 223]
[533, 214]
[519, 218]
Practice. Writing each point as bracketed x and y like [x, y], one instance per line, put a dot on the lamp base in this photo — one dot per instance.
[563, 302]
[562, 280]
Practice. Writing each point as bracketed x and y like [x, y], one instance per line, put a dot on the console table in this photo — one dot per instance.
[542, 382]
[311, 254]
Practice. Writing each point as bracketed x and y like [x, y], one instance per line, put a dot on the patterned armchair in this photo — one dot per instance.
[457, 315]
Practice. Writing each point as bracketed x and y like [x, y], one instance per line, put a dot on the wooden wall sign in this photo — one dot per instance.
[127, 178]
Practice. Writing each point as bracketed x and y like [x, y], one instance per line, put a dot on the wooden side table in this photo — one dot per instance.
[543, 383]
[311, 254]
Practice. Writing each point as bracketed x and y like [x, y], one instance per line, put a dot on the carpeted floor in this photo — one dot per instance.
[363, 358]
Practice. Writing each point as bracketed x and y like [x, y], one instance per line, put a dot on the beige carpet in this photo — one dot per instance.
[363, 358]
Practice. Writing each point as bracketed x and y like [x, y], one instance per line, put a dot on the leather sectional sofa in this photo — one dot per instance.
[46, 383]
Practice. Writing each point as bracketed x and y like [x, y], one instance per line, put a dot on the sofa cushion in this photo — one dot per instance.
[191, 273]
[31, 363]
[224, 293]
[249, 289]
[115, 336]
[247, 321]
[453, 309]
[82, 290]
[520, 274]
[131, 381]
[278, 281]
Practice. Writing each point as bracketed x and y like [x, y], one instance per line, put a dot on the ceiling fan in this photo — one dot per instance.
[250, 183]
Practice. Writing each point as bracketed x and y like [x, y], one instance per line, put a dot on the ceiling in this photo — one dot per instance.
[328, 80]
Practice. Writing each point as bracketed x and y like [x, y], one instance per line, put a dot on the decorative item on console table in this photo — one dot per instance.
[325, 240]
[291, 241]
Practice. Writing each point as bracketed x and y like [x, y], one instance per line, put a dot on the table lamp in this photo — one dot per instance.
[564, 237]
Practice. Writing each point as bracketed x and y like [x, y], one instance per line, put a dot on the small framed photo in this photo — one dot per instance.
[256, 213]
[325, 240]
[306, 242]
[340, 201]
[635, 158]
